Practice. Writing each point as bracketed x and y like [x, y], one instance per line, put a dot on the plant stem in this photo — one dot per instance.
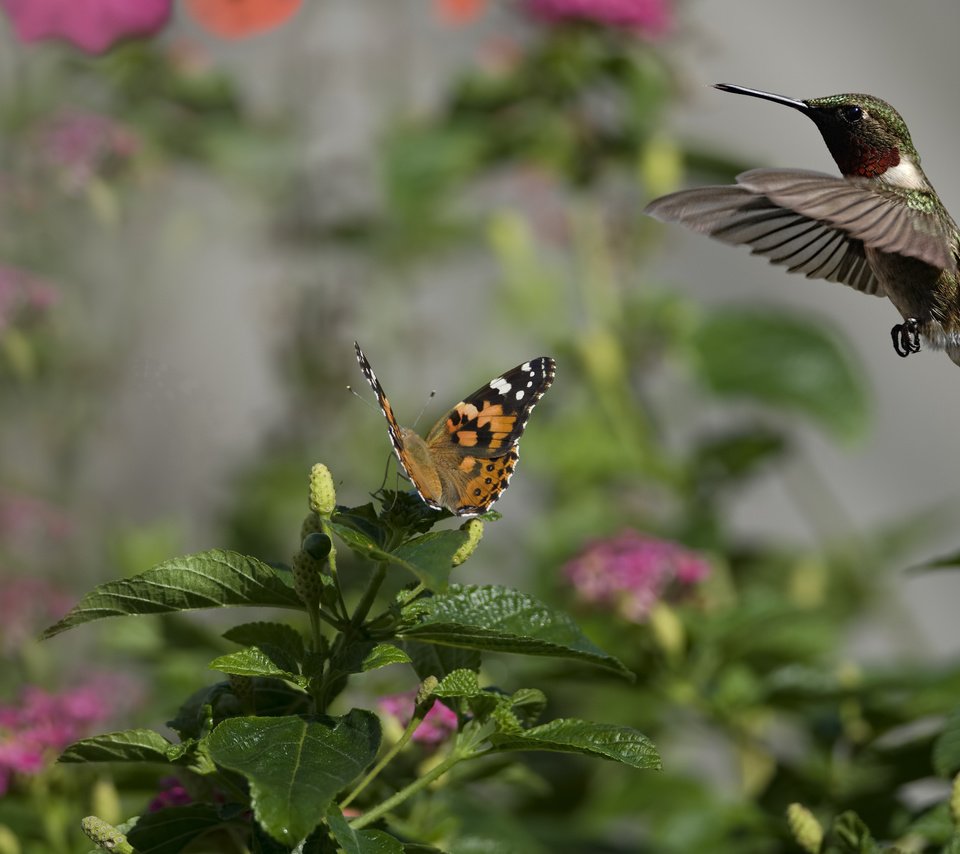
[369, 595]
[414, 593]
[332, 561]
[416, 786]
[384, 760]
[315, 632]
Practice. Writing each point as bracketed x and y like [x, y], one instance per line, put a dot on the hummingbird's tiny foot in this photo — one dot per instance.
[906, 337]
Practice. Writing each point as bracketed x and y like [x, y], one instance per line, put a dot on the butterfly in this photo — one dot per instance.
[465, 462]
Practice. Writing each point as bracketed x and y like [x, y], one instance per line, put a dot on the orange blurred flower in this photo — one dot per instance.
[459, 12]
[238, 19]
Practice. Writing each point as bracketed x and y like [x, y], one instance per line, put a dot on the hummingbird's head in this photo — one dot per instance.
[866, 136]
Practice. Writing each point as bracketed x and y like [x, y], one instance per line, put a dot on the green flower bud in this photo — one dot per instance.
[311, 525]
[474, 531]
[105, 836]
[105, 799]
[323, 495]
[9, 844]
[306, 578]
[805, 828]
[668, 631]
[427, 687]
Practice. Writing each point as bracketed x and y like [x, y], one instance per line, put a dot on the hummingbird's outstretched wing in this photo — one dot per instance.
[814, 223]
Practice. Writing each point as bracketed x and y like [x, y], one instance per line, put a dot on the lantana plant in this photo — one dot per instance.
[276, 756]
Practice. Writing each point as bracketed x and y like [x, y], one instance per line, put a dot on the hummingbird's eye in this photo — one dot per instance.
[851, 113]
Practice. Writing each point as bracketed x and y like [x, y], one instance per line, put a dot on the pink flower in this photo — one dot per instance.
[91, 25]
[172, 793]
[23, 296]
[651, 18]
[632, 572]
[81, 145]
[438, 724]
[35, 730]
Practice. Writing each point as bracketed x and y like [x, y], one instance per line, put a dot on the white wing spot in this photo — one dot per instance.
[500, 385]
[525, 366]
[520, 394]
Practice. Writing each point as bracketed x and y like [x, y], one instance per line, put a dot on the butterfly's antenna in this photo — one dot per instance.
[423, 408]
[359, 396]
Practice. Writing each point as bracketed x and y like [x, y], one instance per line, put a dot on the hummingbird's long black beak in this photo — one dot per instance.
[767, 96]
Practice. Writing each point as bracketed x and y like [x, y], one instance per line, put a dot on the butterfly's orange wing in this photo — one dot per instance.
[467, 459]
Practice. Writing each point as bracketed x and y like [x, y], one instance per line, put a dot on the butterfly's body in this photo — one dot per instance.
[880, 227]
[465, 462]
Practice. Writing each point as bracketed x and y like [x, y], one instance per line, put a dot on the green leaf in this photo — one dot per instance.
[935, 825]
[568, 735]
[406, 513]
[460, 683]
[946, 749]
[132, 745]
[171, 830]
[502, 620]
[383, 654]
[433, 660]
[360, 656]
[261, 633]
[256, 661]
[779, 360]
[295, 765]
[735, 456]
[351, 841]
[849, 835]
[528, 704]
[212, 579]
[948, 561]
[362, 519]
[429, 557]
[360, 541]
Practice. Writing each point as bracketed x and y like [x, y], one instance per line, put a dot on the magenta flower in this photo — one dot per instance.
[23, 296]
[82, 145]
[91, 25]
[26, 605]
[438, 724]
[172, 793]
[35, 730]
[631, 572]
[650, 18]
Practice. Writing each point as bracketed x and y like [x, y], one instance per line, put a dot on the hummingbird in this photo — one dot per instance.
[880, 228]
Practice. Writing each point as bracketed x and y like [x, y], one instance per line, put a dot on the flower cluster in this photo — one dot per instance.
[34, 730]
[26, 604]
[650, 18]
[23, 297]
[81, 145]
[91, 25]
[438, 724]
[632, 572]
[172, 793]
